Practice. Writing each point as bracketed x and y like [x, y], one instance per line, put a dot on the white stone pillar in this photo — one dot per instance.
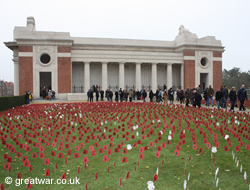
[169, 76]
[86, 77]
[104, 75]
[154, 76]
[16, 73]
[182, 76]
[16, 79]
[138, 76]
[121, 75]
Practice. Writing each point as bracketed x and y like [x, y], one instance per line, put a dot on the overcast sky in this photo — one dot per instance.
[227, 20]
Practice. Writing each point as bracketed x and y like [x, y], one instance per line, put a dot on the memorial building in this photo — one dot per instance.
[72, 65]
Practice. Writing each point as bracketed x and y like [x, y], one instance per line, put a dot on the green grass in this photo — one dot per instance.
[125, 116]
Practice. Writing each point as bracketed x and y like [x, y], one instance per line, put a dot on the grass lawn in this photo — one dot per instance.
[87, 143]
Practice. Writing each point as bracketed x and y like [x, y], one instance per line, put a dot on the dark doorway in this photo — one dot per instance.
[203, 80]
[45, 82]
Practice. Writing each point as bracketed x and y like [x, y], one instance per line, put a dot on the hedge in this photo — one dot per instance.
[7, 102]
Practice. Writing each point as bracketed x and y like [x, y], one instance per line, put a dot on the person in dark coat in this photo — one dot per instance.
[111, 95]
[44, 92]
[116, 96]
[102, 93]
[97, 95]
[151, 95]
[242, 96]
[157, 95]
[27, 97]
[218, 97]
[91, 95]
[144, 95]
[138, 94]
[107, 94]
[225, 97]
[121, 95]
[187, 96]
[233, 98]
[205, 96]
[196, 99]
[181, 96]
[171, 95]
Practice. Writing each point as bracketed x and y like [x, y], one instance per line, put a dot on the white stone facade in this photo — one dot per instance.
[112, 63]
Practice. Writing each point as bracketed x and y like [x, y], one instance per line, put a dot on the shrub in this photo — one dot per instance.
[7, 102]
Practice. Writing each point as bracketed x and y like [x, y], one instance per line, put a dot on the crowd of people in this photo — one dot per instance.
[192, 96]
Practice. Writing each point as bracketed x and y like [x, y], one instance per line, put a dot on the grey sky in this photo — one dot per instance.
[227, 20]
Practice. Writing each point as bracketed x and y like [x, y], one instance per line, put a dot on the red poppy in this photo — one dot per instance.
[229, 143]
[120, 181]
[18, 176]
[54, 144]
[47, 173]
[96, 176]
[248, 147]
[34, 155]
[91, 148]
[30, 168]
[93, 153]
[159, 148]
[6, 166]
[169, 142]
[226, 148]
[56, 166]
[116, 150]
[151, 144]
[26, 164]
[85, 160]
[241, 143]
[176, 152]
[110, 144]
[41, 155]
[194, 146]
[105, 147]
[134, 145]
[24, 158]
[2, 186]
[60, 148]
[109, 152]
[96, 144]
[66, 160]
[46, 161]
[145, 148]
[5, 156]
[78, 170]
[60, 155]
[85, 151]
[52, 153]
[105, 158]
[124, 159]
[29, 185]
[157, 154]
[200, 150]
[100, 151]
[125, 151]
[66, 146]
[163, 145]
[63, 176]
[76, 155]
[155, 178]
[82, 145]
[141, 150]
[127, 175]
[139, 142]
[208, 145]
[141, 156]
[156, 141]
[237, 148]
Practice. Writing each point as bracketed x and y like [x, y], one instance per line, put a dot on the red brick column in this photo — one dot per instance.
[64, 71]
[217, 71]
[25, 71]
[189, 69]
